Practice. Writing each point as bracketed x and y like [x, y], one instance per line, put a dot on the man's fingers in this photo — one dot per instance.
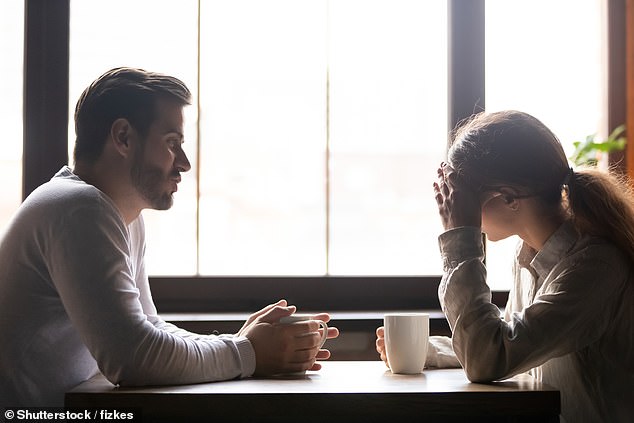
[280, 303]
[332, 333]
[274, 314]
[308, 341]
[316, 366]
[323, 355]
[324, 317]
[301, 327]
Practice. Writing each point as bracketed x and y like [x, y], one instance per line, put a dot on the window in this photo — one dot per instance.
[164, 40]
[12, 24]
[319, 121]
[550, 65]
[315, 139]
[319, 124]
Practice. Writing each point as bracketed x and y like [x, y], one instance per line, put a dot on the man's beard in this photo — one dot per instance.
[148, 181]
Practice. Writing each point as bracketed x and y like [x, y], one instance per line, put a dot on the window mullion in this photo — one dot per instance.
[466, 59]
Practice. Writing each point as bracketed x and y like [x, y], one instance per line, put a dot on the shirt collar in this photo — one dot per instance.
[553, 251]
[65, 172]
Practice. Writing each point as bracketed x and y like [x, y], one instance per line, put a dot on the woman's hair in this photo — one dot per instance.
[514, 149]
[121, 93]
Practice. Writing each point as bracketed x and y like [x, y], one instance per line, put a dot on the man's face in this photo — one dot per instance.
[160, 159]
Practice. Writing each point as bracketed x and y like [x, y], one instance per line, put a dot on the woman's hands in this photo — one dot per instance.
[458, 204]
[380, 344]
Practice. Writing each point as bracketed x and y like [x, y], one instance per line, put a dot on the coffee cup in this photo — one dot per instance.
[298, 317]
[294, 318]
[406, 341]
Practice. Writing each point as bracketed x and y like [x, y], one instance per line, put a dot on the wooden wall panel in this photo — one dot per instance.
[629, 52]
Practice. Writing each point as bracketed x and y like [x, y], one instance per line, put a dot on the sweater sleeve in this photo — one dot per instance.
[568, 313]
[94, 272]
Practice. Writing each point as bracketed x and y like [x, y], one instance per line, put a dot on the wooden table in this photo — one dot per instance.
[342, 391]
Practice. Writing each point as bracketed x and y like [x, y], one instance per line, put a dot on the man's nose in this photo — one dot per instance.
[182, 162]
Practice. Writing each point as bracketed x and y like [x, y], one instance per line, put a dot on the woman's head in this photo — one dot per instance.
[510, 149]
[514, 154]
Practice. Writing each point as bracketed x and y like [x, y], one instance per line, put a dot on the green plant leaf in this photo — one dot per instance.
[585, 152]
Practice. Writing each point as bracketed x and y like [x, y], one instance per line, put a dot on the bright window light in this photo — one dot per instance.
[544, 58]
[322, 123]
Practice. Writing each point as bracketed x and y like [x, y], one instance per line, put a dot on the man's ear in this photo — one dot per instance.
[121, 133]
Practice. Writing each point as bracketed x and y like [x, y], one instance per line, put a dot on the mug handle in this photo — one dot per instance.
[324, 336]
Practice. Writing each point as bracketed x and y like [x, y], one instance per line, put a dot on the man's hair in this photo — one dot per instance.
[127, 93]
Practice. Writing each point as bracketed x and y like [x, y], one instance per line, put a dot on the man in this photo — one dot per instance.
[74, 293]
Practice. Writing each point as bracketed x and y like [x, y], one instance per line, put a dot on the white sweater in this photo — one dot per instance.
[75, 299]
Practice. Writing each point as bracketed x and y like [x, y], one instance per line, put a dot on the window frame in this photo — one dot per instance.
[46, 68]
[46, 83]
[245, 294]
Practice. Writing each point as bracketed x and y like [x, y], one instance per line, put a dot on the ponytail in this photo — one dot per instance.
[602, 204]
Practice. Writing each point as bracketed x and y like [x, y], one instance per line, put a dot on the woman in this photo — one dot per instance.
[570, 314]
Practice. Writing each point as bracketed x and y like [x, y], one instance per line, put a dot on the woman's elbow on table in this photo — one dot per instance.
[483, 370]
[476, 374]
[481, 367]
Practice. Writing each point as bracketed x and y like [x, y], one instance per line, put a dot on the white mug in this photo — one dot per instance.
[406, 341]
[303, 317]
